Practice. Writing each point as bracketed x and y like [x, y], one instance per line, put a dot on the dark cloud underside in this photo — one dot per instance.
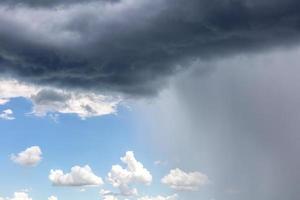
[49, 3]
[131, 46]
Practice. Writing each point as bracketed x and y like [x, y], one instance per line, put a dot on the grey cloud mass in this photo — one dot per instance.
[239, 124]
[132, 46]
[49, 3]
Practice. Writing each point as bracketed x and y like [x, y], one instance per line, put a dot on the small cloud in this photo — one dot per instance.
[108, 195]
[52, 198]
[172, 197]
[79, 176]
[160, 162]
[7, 114]
[134, 173]
[18, 196]
[180, 180]
[29, 157]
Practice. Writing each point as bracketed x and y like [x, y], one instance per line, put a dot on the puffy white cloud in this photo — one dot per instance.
[7, 114]
[134, 173]
[172, 197]
[180, 180]
[47, 100]
[110, 197]
[79, 176]
[29, 157]
[52, 198]
[18, 196]
[21, 196]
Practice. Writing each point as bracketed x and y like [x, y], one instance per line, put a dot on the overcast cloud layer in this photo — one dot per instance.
[130, 46]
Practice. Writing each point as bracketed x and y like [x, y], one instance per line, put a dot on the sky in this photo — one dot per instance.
[149, 99]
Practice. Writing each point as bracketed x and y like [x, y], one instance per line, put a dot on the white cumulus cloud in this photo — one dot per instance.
[7, 114]
[29, 157]
[110, 197]
[52, 198]
[79, 176]
[18, 196]
[172, 197]
[180, 180]
[134, 173]
[47, 100]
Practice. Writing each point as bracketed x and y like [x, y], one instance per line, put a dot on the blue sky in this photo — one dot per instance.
[65, 142]
[60, 142]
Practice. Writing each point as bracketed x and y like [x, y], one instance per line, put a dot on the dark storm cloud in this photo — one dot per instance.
[46, 3]
[130, 46]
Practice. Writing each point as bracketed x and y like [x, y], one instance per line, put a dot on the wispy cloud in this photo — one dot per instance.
[7, 114]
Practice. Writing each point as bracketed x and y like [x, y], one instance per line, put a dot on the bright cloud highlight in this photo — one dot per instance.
[47, 100]
[18, 196]
[180, 180]
[79, 176]
[52, 198]
[31, 157]
[134, 173]
[7, 114]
